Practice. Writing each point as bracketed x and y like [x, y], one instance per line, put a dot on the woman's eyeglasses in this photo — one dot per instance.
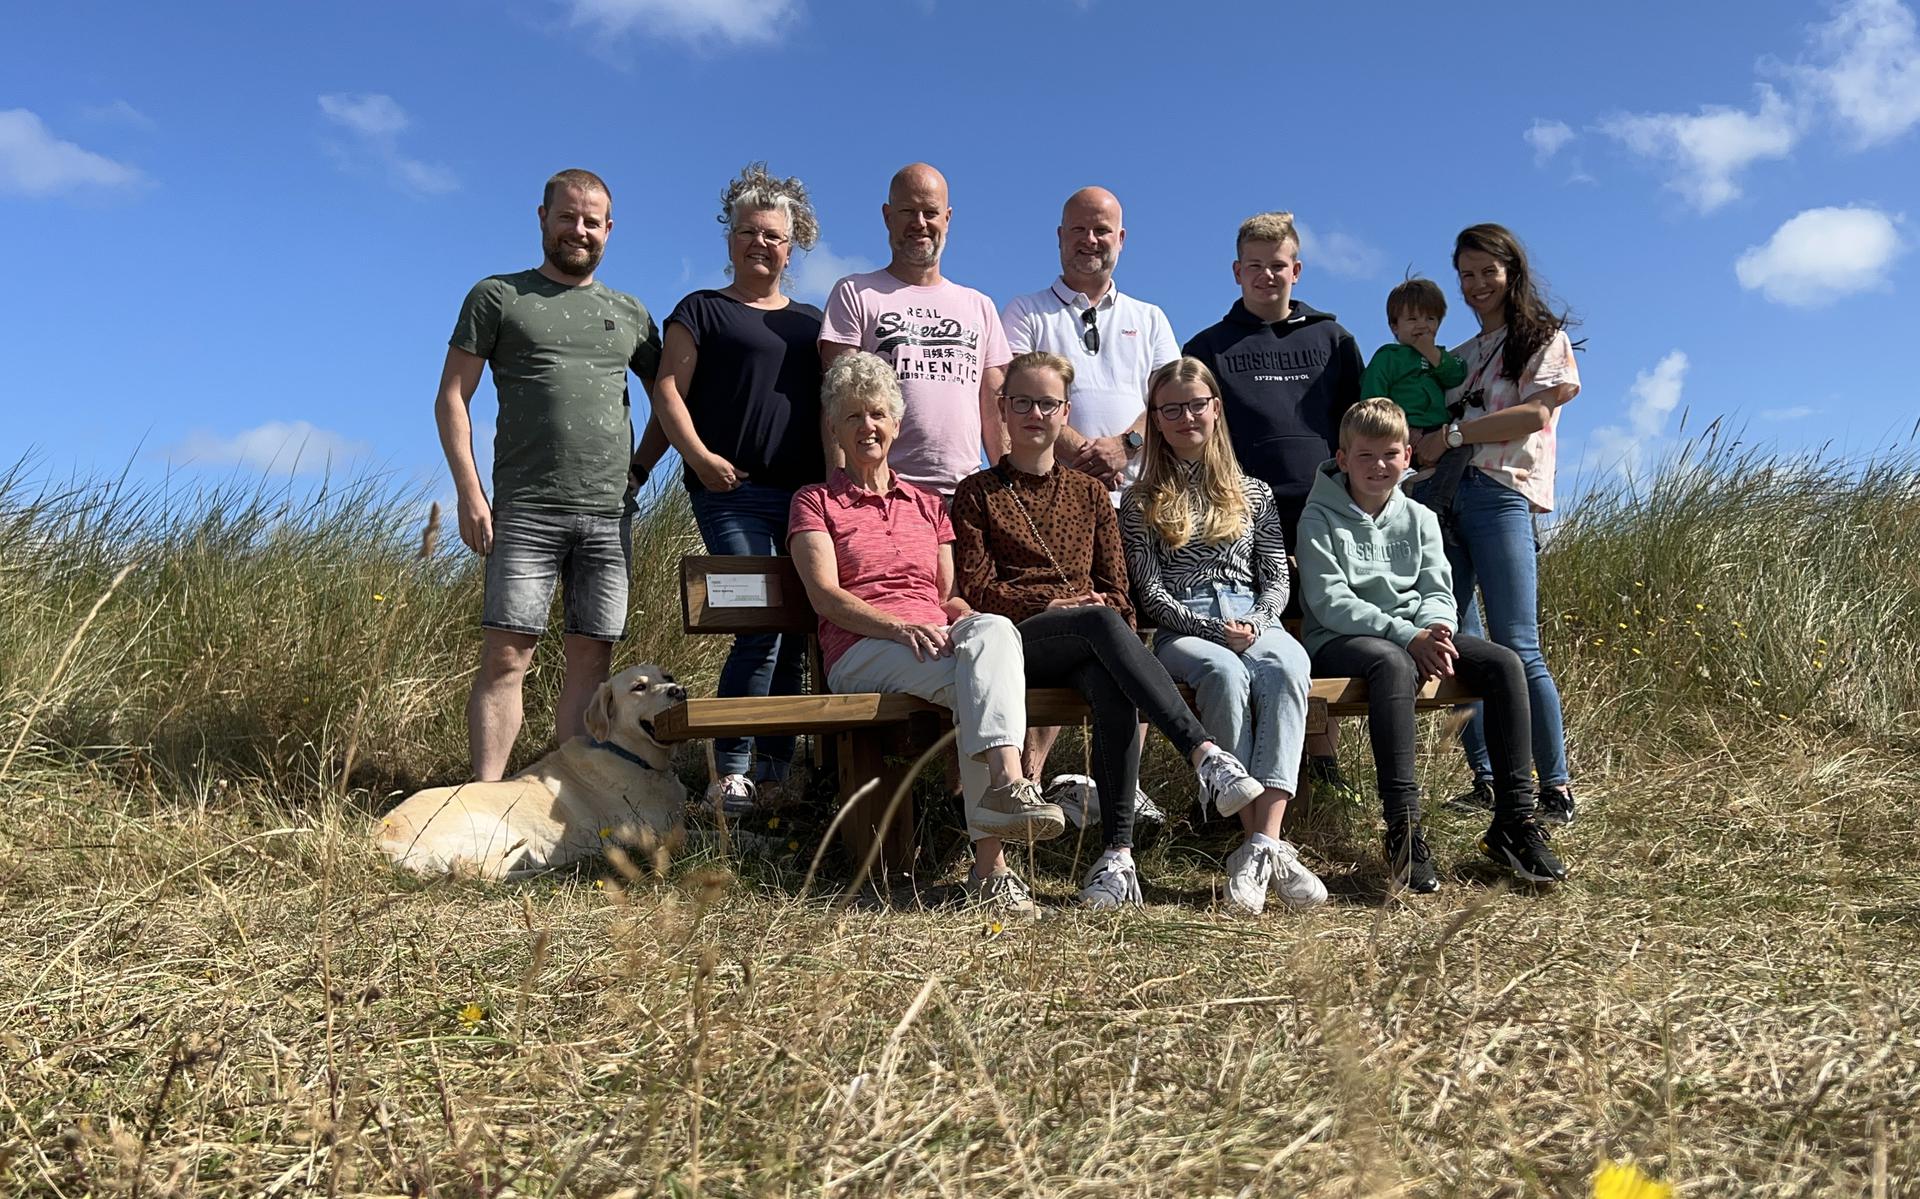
[1089, 332]
[749, 236]
[1045, 405]
[1194, 408]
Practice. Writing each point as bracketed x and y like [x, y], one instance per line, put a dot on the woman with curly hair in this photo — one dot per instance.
[1520, 370]
[739, 396]
[1207, 554]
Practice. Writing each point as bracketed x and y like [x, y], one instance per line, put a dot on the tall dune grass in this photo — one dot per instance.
[211, 985]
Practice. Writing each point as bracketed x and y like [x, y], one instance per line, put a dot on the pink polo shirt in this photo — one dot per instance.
[887, 549]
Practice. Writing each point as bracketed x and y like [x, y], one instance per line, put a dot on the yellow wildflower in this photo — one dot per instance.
[773, 822]
[1623, 624]
[605, 833]
[994, 928]
[793, 845]
[378, 598]
[1638, 654]
[471, 1015]
[1699, 607]
[1622, 1180]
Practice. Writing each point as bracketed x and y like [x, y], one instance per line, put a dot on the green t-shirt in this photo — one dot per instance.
[560, 357]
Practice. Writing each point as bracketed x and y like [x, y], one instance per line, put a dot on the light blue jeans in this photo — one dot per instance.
[1495, 550]
[1254, 704]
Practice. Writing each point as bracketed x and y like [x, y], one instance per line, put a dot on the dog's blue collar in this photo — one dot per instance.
[621, 751]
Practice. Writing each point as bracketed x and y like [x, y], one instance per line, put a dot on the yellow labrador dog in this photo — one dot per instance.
[560, 809]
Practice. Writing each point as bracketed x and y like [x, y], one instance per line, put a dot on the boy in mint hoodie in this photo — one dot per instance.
[1377, 598]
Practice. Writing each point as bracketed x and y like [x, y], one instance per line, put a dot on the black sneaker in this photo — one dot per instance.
[1521, 846]
[1554, 805]
[1409, 860]
[1480, 799]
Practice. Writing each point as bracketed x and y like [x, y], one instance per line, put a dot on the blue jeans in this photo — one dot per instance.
[752, 519]
[1254, 704]
[1494, 526]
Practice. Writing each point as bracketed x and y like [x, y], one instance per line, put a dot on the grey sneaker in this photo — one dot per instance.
[1225, 782]
[1297, 887]
[1017, 811]
[1249, 869]
[1112, 883]
[1004, 893]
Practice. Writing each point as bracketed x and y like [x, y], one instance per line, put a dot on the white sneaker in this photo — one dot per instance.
[1077, 796]
[1297, 887]
[1114, 882]
[1249, 870]
[733, 794]
[1002, 892]
[1225, 782]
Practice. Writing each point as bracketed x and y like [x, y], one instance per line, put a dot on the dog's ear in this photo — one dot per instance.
[600, 712]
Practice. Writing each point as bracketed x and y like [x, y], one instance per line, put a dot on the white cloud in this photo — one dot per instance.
[36, 164]
[1710, 148]
[736, 21]
[1822, 255]
[1655, 394]
[293, 447]
[818, 269]
[1547, 138]
[1337, 253]
[1868, 69]
[376, 122]
[1796, 412]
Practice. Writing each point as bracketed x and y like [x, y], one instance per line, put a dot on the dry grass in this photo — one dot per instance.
[209, 985]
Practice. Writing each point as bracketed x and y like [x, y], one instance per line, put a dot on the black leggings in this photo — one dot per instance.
[1092, 650]
[1492, 671]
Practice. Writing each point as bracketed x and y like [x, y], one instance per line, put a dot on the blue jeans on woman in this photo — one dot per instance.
[1495, 549]
[752, 519]
[1254, 704]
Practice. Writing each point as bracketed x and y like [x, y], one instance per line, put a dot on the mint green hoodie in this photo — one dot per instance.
[1366, 576]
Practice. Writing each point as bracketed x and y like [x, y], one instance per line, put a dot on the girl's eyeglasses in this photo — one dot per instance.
[1194, 408]
[1046, 405]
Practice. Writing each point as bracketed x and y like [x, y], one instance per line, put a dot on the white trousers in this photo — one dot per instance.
[983, 681]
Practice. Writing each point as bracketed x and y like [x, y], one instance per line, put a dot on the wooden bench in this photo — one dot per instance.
[876, 735]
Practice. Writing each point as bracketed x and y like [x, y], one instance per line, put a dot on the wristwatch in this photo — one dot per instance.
[1455, 438]
[1133, 441]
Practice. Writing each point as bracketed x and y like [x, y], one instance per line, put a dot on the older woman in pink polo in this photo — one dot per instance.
[876, 556]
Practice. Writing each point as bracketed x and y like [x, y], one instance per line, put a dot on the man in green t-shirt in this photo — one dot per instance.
[560, 345]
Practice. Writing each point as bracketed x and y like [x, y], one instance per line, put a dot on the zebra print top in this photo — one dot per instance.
[1256, 560]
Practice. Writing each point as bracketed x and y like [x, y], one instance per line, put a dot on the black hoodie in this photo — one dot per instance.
[1284, 387]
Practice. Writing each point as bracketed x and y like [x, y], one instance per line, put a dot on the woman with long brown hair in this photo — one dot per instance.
[1520, 370]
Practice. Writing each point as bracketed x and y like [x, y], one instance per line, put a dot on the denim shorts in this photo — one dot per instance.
[586, 554]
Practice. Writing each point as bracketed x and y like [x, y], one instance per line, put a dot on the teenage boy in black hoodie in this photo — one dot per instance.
[1287, 374]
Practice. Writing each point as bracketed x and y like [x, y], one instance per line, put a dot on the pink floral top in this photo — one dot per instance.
[1526, 463]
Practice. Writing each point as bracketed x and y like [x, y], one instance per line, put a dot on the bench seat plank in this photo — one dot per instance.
[798, 714]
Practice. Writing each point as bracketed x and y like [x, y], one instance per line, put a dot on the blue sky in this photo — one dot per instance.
[235, 230]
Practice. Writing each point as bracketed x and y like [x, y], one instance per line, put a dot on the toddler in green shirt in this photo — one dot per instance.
[1415, 373]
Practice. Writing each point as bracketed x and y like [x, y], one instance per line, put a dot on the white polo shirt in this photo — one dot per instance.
[1109, 387]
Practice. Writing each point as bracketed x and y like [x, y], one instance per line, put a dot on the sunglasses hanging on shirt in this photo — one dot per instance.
[1089, 332]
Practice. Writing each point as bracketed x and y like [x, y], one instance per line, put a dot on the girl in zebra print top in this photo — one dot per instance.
[1208, 562]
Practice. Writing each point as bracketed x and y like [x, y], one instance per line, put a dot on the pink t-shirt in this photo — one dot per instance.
[887, 548]
[1525, 463]
[940, 340]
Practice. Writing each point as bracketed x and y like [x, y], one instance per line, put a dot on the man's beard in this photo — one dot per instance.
[1091, 264]
[929, 257]
[569, 259]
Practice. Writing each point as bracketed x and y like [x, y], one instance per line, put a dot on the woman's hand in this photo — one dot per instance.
[957, 609]
[927, 641]
[716, 473]
[1428, 449]
[1240, 636]
[1087, 599]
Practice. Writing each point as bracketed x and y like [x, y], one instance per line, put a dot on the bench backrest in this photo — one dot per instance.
[737, 593]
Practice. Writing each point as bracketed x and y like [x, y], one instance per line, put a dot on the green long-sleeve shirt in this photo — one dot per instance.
[1400, 373]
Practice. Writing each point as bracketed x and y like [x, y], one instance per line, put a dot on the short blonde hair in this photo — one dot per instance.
[1040, 360]
[1266, 226]
[1377, 417]
[858, 377]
